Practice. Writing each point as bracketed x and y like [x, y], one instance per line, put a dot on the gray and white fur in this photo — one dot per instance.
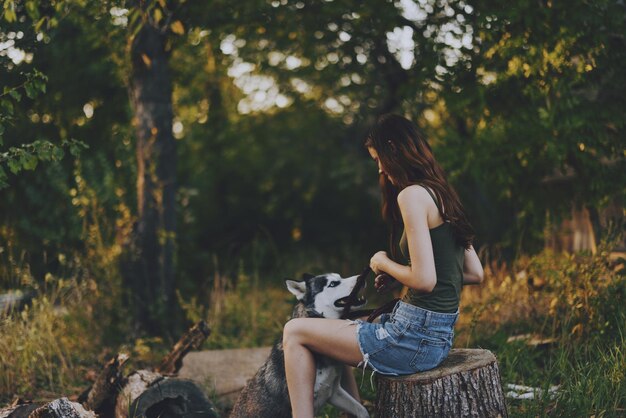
[266, 395]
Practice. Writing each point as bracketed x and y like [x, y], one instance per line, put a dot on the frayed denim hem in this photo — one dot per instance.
[366, 357]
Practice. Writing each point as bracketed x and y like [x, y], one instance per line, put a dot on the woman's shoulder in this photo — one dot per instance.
[420, 201]
[414, 193]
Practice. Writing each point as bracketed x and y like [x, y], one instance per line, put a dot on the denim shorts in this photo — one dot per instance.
[408, 340]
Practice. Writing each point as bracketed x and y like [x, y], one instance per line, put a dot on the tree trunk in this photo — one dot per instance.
[149, 268]
[466, 384]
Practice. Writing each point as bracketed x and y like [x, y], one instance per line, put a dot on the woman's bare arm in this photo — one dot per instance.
[472, 268]
[421, 274]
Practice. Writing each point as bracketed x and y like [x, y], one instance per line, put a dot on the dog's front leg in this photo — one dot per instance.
[348, 382]
[344, 401]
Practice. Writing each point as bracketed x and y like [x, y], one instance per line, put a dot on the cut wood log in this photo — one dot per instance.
[466, 384]
[62, 408]
[192, 340]
[149, 394]
[19, 408]
[21, 411]
[102, 393]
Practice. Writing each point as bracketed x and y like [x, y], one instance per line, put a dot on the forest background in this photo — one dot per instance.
[166, 161]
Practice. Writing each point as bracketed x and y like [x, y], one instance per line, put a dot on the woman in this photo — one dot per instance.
[437, 240]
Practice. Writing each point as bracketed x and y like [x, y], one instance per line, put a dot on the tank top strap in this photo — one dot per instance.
[434, 198]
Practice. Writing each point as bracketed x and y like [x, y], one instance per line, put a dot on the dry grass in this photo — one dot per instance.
[45, 348]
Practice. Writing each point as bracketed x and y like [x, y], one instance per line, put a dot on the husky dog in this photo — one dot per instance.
[266, 394]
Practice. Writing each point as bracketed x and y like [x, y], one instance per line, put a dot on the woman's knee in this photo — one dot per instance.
[292, 332]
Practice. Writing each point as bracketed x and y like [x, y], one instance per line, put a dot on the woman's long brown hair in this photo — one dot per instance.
[407, 158]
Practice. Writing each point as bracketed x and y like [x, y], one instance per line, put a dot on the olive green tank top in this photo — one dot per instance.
[449, 258]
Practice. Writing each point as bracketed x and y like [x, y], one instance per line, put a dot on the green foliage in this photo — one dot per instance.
[270, 175]
[34, 85]
[536, 122]
[44, 126]
[27, 156]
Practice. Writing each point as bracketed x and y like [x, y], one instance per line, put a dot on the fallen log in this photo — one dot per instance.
[154, 393]
[19, 408]
[149, 394]
[104, 397]
[466, 384]
[62, 408]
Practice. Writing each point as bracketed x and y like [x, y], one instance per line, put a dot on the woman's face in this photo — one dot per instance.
[374, 156]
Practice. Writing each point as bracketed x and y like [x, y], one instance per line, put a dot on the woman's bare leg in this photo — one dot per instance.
[303, 336]
[300, 379]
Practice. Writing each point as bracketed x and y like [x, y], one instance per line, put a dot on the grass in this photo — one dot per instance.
[45, 349]
[579, 301]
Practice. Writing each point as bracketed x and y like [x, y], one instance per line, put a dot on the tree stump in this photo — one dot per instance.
[148, 394]
[466, 384]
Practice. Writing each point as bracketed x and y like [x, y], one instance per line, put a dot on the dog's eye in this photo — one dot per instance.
[334, 284]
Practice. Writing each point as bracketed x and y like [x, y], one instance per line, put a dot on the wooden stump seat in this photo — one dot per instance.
[466, 384]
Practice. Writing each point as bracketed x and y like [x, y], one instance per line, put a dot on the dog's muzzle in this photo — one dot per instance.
[349, 301]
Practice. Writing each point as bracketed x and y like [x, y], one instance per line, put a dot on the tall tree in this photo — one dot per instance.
[150, 272]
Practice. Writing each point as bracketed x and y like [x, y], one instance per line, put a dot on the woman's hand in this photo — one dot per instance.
[378, 261]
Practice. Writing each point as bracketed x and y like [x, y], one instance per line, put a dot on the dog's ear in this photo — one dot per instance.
[297, 288]
[306, 276]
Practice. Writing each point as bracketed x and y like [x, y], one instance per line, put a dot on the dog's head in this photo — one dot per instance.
[325, 294]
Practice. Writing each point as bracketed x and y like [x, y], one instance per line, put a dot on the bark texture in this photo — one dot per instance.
[466, 384]
[101, 394]
[19, 409]
[149, 263]
[62, 408]
[192, 340]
